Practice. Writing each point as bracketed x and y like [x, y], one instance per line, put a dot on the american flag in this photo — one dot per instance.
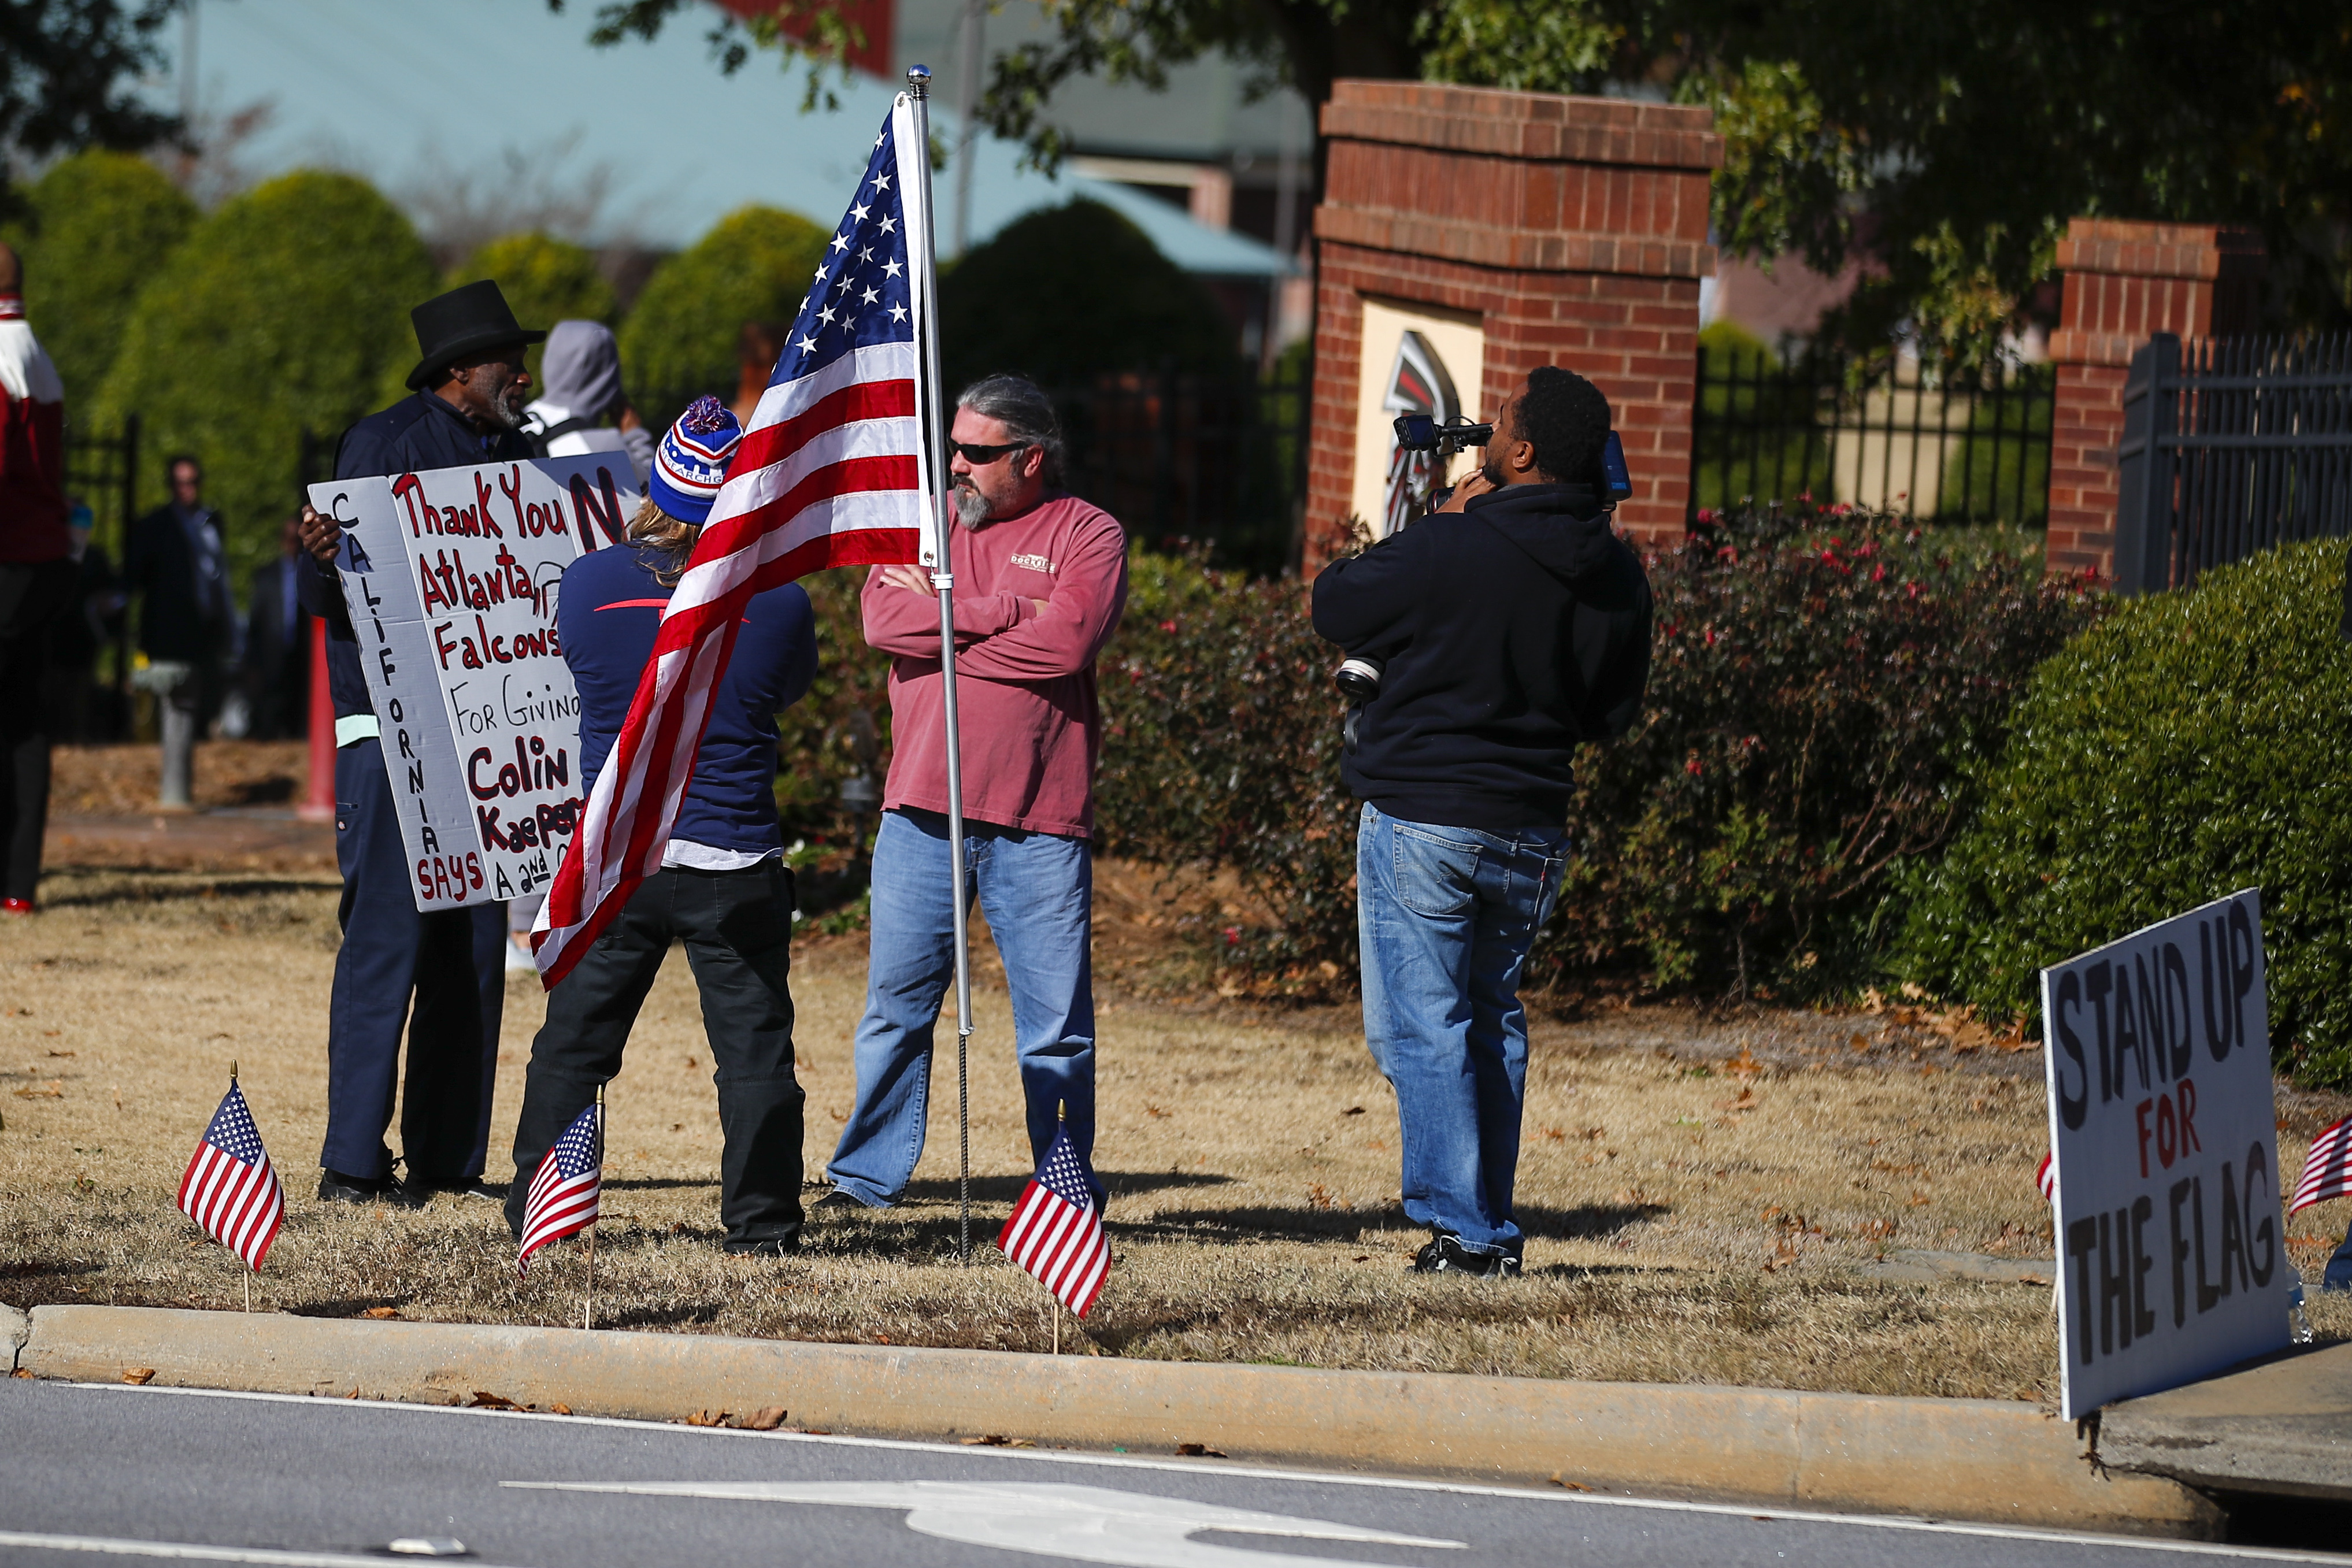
[838, 467]
[2328, 1169]
[230, 1189]
[2046, 1177]
[1057, 1232]
[565, 1192]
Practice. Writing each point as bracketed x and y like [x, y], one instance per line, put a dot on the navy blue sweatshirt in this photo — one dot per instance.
[607, 614]
[415, 436]
[1513, 631]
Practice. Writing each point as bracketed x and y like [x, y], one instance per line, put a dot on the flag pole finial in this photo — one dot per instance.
[918, 80]
[232, 1072]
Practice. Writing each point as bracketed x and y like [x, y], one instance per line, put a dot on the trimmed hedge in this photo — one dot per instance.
[681, 335]
[2192, 744]
[284, 311]
[101, 227]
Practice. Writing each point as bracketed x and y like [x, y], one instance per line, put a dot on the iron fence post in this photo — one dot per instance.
[2144, 488]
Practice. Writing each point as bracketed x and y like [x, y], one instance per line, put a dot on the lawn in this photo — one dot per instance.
[1707, 1197]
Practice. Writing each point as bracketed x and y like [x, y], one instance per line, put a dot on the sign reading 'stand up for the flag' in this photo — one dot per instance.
[2171, 1247]
[453, 579]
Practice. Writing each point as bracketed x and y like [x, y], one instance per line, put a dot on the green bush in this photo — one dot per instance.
[545, 279]
[1071, 292]
[101, 227]
[2192, 744]
[681, 335]
[284, 311]
[1821, 681]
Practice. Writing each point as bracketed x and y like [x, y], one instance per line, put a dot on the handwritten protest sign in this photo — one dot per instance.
[2172, 1262]
[453, 579]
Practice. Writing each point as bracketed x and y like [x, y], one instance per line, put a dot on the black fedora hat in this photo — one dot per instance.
[462, 321]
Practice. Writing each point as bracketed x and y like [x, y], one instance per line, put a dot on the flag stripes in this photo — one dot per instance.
[1055, 1231]
[568, 1189]
[2327, 1170]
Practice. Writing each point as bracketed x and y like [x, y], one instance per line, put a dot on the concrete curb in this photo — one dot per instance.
[1985, 1461]
[15, 1329]
[2282, 1425]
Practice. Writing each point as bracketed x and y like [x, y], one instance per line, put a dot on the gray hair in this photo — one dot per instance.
[1021, 406]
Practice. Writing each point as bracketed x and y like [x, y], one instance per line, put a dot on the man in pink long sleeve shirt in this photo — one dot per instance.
[1041, 577]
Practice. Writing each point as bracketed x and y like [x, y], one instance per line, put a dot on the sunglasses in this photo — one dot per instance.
[981, 456]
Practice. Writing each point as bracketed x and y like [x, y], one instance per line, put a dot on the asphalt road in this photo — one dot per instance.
[147, 1473]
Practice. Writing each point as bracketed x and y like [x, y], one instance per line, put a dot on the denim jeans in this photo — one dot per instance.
[1037, 890]
[1447, 916]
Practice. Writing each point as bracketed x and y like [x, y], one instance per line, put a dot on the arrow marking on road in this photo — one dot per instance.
[1085, 1524]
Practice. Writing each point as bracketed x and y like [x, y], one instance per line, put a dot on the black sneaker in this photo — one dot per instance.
[1447, 1254]
[334, 1187]
[838, 1200]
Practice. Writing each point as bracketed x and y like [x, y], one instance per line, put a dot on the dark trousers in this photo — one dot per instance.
[452, 960]
[29, 596]
[737, 928]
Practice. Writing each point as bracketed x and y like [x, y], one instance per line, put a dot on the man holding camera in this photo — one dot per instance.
[1506, 628]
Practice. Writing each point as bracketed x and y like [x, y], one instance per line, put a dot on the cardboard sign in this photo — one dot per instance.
[453, 579]
[2171, 1245]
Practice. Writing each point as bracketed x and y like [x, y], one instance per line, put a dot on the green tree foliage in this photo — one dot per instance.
[286, 310]
[67, 72]
[545, 279]
[1069, 292]
[2190, 744]
[682, 334]
[99, 229]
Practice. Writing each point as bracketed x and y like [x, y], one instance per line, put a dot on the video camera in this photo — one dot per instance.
[1358, 679]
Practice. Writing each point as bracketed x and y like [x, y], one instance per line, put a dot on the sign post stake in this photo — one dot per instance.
[920, 239]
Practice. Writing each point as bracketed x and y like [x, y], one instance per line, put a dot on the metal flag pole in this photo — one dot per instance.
[933, 415]
[247, 1279]
[588, 1305]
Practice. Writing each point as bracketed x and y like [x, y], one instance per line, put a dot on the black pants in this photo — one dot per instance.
[453, 960]
[736, 928]
[29, 596]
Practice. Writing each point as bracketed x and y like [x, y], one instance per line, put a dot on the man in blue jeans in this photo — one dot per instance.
[1040, 580]
[1513, 625]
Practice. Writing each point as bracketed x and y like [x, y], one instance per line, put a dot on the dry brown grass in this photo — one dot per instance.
[1703, 1197]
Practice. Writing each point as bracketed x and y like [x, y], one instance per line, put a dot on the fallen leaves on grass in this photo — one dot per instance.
[380, 1312]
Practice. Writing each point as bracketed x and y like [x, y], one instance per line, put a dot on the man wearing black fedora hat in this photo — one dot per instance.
[468, 405]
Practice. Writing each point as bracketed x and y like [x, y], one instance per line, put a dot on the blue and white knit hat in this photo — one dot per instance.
[690, 463]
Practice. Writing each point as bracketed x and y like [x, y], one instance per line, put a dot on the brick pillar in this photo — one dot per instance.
[2124, 283]
[1568, 231]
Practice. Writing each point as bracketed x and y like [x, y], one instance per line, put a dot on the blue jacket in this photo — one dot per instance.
[609, 609]
[415, 436]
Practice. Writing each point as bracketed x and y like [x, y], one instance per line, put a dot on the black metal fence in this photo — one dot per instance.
[1172, 454]
[102, 473]
[2230, 446]
[1879, 431]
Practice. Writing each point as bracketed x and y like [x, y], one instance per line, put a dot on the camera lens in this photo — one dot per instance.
[1359, 680]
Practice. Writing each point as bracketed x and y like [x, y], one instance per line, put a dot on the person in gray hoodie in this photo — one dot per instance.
[583, 408]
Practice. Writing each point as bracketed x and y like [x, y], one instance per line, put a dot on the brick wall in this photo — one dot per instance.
[2124, 283]
[1574, 228]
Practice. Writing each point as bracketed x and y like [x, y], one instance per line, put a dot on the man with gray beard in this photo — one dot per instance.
[1041, 577]
[468, 408]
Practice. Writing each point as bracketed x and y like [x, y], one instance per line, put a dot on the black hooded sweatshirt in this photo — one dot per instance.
[1512, 631]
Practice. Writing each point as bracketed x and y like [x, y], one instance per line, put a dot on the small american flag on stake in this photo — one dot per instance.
[2046, 1177]
[2327, 1171]
[230, 1189]
[565, 1193]
[1057, 1232]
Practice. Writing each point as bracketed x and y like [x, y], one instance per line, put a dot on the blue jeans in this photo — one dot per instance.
[1037, 890]
[1447, 916]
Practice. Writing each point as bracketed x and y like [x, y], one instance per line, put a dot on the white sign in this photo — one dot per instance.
[453, 578]
[2172, 1245]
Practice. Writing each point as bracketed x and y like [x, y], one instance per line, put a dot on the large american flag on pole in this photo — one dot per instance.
[567, 1189]
[839, 466]
[1057, 1231]
[2327, 1170]
[230, 1189]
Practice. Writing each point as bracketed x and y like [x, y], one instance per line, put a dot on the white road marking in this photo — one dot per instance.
[185, 1551]
[1319, 1478]
[1085, 1524]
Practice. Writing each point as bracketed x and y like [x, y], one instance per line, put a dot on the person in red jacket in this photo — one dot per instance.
[1040, 580]
[38, 576]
